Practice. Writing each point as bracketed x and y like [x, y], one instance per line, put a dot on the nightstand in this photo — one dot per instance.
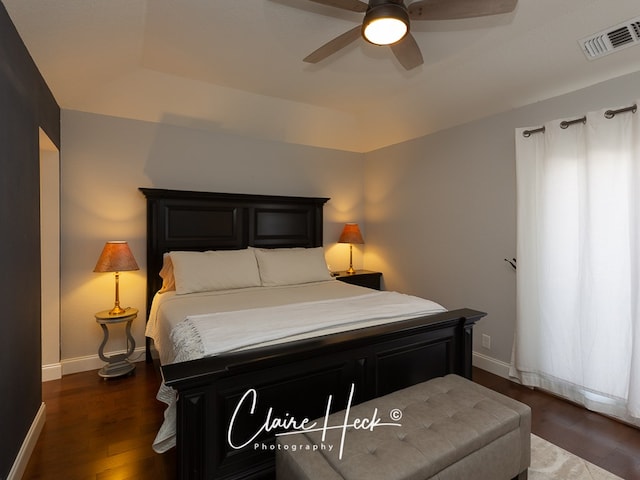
[363, 278]
[117, 365]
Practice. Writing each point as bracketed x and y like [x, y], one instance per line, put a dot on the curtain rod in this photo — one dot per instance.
[564, 124]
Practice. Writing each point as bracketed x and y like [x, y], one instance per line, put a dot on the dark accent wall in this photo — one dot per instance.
[26, 103]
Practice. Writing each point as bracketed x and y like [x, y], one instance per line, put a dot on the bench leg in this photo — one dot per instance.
[522, 475]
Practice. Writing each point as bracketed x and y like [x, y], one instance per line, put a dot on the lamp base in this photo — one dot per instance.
[117, 310]
[351, 270]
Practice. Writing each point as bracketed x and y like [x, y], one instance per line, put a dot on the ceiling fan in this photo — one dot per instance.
[387, 22]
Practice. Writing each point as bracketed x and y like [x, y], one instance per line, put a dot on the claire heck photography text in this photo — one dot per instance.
[293, 426]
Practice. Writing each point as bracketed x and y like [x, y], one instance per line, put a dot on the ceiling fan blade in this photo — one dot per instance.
[334, 45]
[352, 5]
[454, 9]
[408, 52]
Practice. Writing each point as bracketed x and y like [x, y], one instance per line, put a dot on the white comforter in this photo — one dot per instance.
[185, 327]
[169, 309]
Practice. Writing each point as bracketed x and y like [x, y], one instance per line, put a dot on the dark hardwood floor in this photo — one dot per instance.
[607, 443]
[102, 430]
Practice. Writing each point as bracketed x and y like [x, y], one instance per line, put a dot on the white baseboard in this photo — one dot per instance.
[491, 365]
[93, 362]
[29, 443]
[51, 372]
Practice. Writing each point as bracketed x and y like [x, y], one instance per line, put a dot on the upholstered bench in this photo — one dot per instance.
[450, 428]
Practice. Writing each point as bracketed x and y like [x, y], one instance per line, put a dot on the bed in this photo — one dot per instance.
[292, 378]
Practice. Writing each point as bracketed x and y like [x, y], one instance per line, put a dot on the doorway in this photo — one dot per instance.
[50, 257]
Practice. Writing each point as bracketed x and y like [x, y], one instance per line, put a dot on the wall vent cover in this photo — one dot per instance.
[613, 39]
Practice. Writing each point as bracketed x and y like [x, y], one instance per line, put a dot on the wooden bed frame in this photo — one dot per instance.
[294, 378]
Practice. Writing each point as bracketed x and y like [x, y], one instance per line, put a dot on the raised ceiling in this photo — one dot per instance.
[236, 65]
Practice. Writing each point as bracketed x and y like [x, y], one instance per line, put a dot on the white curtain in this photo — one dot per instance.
[578, 272]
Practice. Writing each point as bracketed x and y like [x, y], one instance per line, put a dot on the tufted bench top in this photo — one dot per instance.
[442, 421]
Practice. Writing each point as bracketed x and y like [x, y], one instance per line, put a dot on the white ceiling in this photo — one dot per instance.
[236, 65]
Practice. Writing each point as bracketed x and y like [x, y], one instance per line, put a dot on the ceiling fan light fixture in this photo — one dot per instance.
[385, 23]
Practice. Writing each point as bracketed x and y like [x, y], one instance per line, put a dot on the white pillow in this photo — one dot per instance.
[214, 270]
[290, 266]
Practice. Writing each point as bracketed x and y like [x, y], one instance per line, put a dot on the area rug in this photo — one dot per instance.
[550, 462]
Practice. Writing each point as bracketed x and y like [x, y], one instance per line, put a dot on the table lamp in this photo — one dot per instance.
[351, 234]
[116, 257]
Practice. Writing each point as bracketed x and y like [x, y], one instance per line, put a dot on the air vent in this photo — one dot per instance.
[618, 37]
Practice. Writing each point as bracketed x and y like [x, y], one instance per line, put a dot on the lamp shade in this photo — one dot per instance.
[116, 257]
[351, 234]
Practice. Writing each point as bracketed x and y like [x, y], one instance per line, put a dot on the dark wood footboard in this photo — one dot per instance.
[294, 381]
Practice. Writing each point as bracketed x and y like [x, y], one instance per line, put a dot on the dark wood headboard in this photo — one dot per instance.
[187, 220]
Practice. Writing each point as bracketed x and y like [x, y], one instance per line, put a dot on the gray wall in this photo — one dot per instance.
[441, 210]
[25, 105]
[438, 212]
[106, 159]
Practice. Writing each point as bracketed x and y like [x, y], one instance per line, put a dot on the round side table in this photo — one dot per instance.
[117, 365]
